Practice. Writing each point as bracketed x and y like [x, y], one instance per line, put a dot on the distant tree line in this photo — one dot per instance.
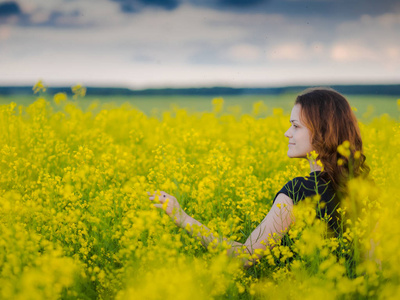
[393, 89]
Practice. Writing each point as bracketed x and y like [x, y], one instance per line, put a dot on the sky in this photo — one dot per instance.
[184, 43]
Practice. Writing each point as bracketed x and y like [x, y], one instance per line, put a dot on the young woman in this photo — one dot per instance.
[321, 121]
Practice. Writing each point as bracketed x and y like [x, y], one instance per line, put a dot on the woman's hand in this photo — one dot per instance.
[171, 207]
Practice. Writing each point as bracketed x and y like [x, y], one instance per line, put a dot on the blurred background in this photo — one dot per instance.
[249, 46]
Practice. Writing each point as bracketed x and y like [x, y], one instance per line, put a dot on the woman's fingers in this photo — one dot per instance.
[158, 205]
[162, 196]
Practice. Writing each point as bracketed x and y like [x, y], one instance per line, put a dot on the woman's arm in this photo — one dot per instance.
[274, 225]
[370, 255]
[172, 208]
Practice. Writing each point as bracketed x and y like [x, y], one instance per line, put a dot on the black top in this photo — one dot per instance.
[300, 188]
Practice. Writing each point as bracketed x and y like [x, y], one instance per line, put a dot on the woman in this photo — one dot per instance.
[321, 121]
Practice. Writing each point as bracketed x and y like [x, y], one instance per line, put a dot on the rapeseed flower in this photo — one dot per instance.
[75, 221]
[39, 87]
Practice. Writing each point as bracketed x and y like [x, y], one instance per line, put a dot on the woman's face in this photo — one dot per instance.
[299, 135]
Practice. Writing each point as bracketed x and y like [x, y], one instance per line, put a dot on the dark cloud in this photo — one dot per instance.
[240, 3]
[8, 9]
[235, 5]
[56, 18]
[323, 8]
[333, 8]
[11, 13]
[134, 6]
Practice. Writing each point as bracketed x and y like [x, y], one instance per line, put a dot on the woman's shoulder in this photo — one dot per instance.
[305, 186]
[310, 179]
[300, 182]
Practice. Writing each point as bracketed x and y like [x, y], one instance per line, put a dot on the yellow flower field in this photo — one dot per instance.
[76, 222]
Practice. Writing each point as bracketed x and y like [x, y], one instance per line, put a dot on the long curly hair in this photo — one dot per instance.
[335, 135]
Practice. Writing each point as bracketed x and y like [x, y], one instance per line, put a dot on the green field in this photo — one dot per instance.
[367, 106]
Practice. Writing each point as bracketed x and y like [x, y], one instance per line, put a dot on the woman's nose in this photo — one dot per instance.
[288, 134]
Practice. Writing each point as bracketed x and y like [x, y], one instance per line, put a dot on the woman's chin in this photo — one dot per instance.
[292, 155]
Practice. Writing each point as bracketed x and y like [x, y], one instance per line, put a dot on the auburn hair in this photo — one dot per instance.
[329, 117]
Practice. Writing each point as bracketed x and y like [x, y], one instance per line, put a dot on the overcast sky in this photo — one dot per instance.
[179, 43]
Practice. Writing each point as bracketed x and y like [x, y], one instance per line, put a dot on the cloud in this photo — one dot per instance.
[94, 40]
[63, 13]
[385, 57]
[60, 13]
[9, 14]
[135, 6]
[353, 52]
[245, 53]
[287, 51]
[240, 3]
[54, 19]
[339, 9]
[369, 39]
[8, 9]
